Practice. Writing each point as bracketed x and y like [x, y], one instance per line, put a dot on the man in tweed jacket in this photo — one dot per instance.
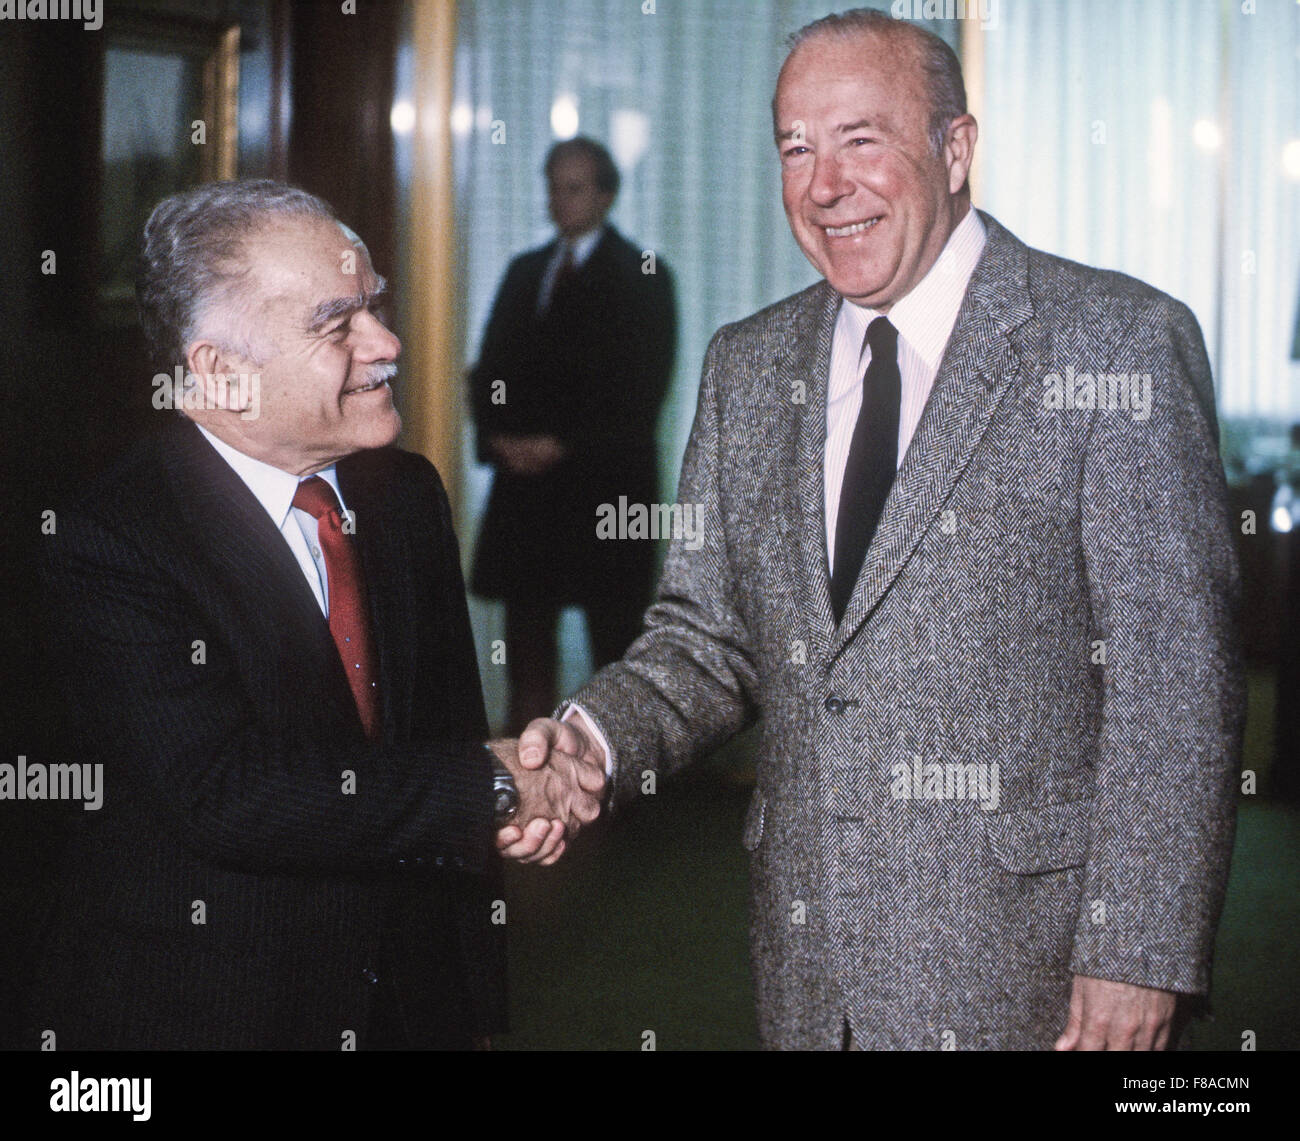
[995, 799]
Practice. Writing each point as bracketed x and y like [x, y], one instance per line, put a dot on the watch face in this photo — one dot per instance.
[507, 801]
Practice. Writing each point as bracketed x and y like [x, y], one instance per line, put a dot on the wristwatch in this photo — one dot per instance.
[505, 796]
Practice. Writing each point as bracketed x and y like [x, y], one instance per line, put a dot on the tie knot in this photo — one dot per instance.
[883, 338]
[316, 497]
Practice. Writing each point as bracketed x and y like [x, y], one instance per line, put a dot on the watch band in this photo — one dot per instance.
[505, 794]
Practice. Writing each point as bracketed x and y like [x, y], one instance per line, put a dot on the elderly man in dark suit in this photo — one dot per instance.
[566, 394]
[264, 640]
[967, 558]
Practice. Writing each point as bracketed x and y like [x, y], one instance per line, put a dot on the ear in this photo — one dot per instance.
[959, 150]
[213, 378]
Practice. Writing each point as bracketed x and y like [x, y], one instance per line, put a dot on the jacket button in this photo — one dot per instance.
[419, 861]
[369, 976]
[834, 705]
[438, 861]
[401, 861]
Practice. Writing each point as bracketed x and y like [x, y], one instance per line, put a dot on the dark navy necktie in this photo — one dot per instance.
[873, 460]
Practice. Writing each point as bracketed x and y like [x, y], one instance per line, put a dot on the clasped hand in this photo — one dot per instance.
[560, 774]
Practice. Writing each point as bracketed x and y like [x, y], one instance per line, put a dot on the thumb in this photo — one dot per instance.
[535, 742]
[1074, 1024]
[591, 776]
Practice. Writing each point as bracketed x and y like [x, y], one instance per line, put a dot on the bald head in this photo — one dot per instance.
[939, 70]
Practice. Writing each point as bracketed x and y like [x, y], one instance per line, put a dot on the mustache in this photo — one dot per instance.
[378, 373]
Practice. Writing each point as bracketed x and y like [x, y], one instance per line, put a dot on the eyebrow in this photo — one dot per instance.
[863, 125]
[328, 311]
[844, 128]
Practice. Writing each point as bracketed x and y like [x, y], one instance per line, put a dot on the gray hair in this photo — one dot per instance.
[939, 63]
[192, 263]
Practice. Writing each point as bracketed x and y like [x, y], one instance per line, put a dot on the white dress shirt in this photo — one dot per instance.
[924, 319]
[583, 246]
[274, 489]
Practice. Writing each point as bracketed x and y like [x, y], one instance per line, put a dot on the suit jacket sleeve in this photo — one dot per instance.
[1161, 565]
[687, 684]
[236, 790]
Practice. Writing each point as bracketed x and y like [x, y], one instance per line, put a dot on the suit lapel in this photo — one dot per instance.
[808, 362]
[978, 366]
[233, 535]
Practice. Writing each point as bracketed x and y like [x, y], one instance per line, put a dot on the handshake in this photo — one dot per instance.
[559, 771]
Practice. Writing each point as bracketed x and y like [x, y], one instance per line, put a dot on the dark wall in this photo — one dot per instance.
[95, 392]
[341, 143]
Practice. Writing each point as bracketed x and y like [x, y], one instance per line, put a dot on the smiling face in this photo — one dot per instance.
[868, 201]
[324, 390]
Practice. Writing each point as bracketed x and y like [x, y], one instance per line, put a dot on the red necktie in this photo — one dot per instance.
[349, 624]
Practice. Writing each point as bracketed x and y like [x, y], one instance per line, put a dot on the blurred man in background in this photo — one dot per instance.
[575, 364]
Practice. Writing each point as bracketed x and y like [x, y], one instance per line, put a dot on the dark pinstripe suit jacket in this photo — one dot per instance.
[197, 668]
[1051, 590]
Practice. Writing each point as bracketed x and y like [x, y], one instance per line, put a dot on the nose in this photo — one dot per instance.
[377, 342]
[828, 183]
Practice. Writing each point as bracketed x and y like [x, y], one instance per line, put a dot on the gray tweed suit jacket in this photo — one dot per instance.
[1051, 591]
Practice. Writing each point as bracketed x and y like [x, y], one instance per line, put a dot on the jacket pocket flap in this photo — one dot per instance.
[1045, 839]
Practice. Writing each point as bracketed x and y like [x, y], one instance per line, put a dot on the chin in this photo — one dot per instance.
[378, 434]
[388, 433]
[859, 292]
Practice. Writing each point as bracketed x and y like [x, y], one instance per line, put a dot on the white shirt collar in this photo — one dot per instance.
[273, 487]
[584, 245]
[925, 317]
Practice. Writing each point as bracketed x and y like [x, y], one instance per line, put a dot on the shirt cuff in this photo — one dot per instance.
[572, 708]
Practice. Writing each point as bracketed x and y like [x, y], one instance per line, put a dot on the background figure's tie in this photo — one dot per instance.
[568, 268]
[872, 463]
[349, 621]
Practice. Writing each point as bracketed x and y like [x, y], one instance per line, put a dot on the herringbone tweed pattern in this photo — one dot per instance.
[1051, 591]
